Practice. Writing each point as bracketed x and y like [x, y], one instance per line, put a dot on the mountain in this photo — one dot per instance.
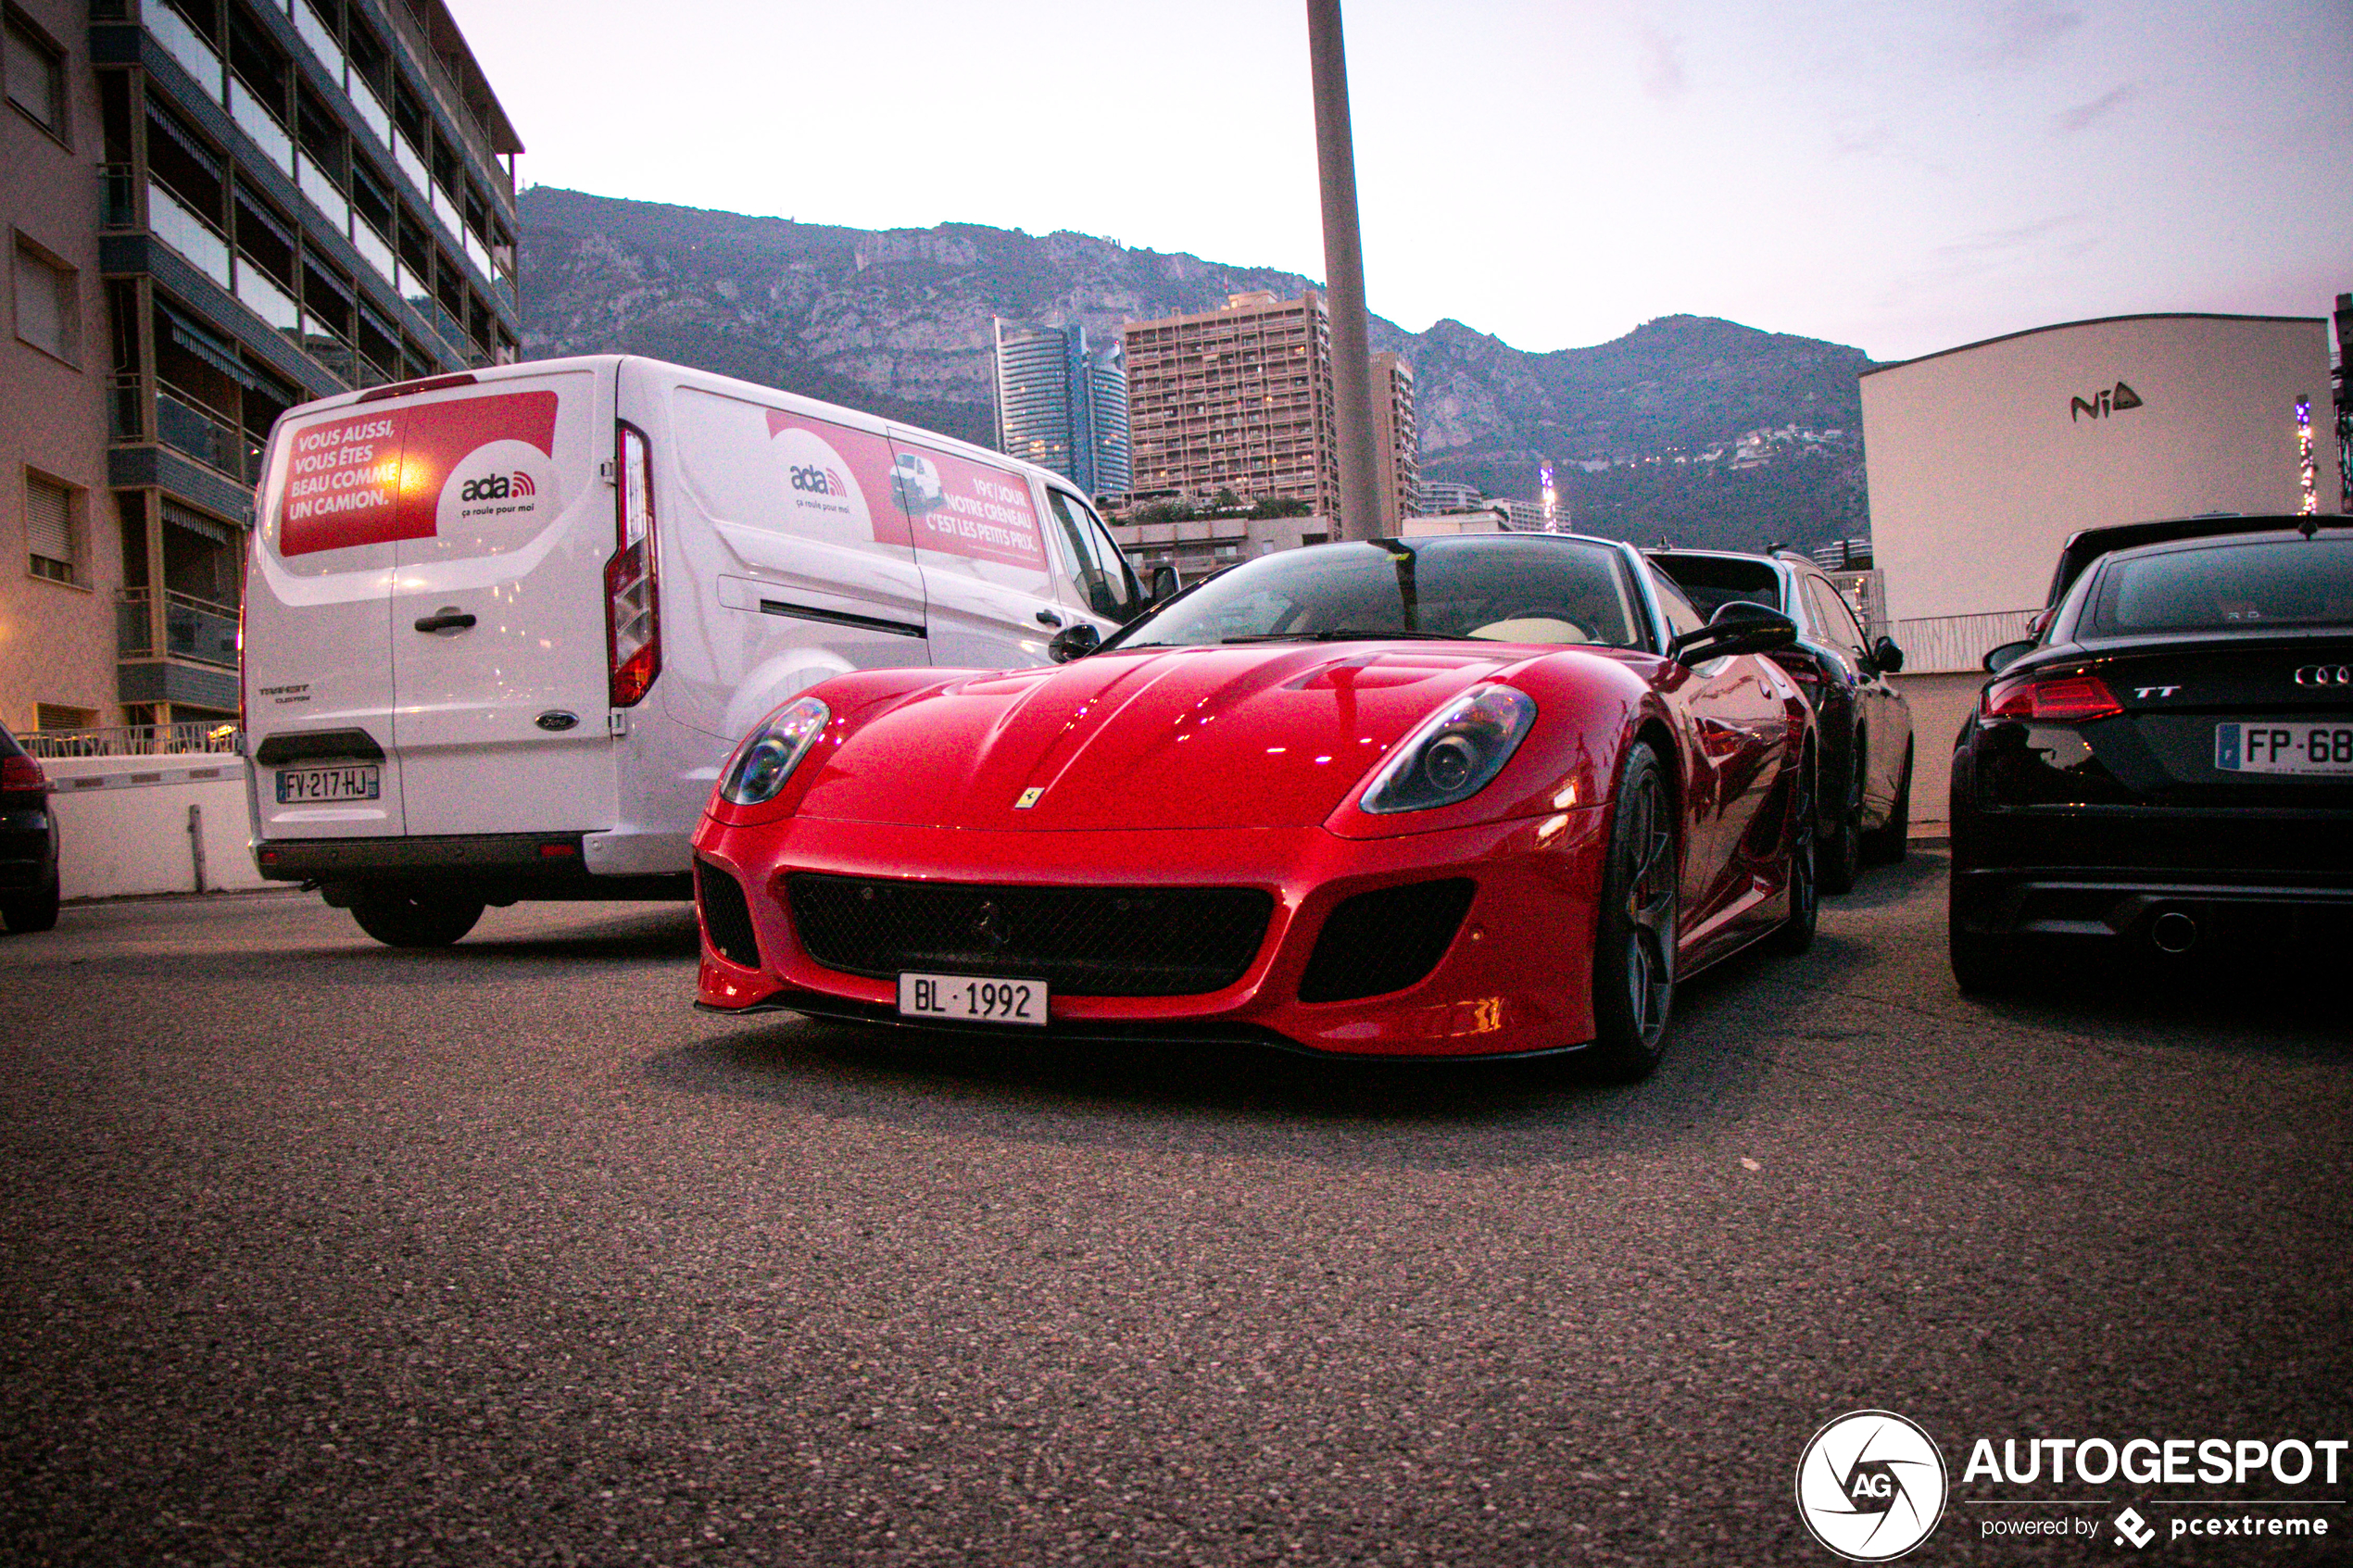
[898, 322]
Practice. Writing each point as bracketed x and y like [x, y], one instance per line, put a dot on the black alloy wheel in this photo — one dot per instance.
[1634, 938]
[1840, 858]
[398, 917]
[1795, 933]
[1888, 844]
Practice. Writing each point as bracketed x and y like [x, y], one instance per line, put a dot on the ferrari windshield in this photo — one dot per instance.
[1530, 589]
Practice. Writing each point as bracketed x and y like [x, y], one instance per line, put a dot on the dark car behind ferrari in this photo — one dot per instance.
[2170, 768]
[28, 841]
[1865, 723]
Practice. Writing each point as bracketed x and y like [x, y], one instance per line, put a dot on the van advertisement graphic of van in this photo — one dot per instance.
[361, 476]
[967, 508]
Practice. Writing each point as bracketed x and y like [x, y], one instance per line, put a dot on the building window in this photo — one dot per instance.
[51, 717]
[36, 71]
[48, 313]
[49, 530]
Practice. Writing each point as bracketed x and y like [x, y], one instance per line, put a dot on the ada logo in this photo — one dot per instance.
[2101, 404]
[820, 480]
[498, 487]
[1871, 1485]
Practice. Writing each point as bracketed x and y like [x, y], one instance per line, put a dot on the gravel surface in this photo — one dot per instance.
[317, 1252]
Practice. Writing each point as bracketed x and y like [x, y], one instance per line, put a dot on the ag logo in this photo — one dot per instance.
[1871, 1485]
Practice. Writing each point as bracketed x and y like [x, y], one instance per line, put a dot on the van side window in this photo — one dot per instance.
[1104, 576]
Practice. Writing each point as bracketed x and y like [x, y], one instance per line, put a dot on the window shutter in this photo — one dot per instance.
[48, 521]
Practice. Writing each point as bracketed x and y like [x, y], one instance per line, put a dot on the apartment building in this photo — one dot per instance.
[219, 208]
[1396, 446]
[1237, 398]
[1064, 405]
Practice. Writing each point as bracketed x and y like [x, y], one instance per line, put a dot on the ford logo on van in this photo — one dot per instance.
[557, 720]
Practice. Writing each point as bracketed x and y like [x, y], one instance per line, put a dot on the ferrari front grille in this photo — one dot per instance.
[1080, 941]
[725, 916]
[1384, 941]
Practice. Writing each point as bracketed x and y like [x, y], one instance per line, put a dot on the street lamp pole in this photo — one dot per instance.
[1344, 276]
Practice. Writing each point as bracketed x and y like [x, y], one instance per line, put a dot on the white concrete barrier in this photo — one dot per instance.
[125, 824]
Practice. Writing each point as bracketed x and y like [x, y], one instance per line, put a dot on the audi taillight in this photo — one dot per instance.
[633, 605]
[22, 776]
[2071, 698]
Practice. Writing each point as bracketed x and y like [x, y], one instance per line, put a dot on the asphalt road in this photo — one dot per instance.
[321, 1253]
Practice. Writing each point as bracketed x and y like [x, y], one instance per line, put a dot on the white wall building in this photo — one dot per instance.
[1982, 459]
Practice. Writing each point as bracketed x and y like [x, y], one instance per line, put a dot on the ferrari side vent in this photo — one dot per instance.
[1386, 940]
[1081, 941]
[726, 919]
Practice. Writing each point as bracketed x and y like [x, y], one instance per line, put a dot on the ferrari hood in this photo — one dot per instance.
[1249, 736]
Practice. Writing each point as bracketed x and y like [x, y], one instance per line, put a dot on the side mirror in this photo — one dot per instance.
[2040, 620]
[1165, 584]
[1074, 641]
[1738, 627]
[1887, 656]
[1999, 659]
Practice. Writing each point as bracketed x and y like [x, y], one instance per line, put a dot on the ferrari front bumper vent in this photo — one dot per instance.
[1081, 941]
[725, 916]
[1386, 940]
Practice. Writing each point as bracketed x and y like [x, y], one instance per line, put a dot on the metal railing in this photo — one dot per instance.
[1944, 642]
[194, 629]
[191, 427]
[197, 736]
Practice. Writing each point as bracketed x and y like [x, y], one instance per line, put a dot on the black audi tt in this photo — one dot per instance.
[2169, 765]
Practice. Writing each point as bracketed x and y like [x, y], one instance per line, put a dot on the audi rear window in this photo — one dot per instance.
[2237, 586]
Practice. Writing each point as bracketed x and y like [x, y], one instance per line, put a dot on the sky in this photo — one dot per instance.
[1901, 177]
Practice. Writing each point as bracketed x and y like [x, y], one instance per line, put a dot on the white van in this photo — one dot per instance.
[502, 628]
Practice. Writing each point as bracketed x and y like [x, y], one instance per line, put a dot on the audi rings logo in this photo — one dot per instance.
[1871, 1485]
[2326, 675]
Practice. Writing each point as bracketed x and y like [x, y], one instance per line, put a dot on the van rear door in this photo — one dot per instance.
[318, 648]
[497, 619]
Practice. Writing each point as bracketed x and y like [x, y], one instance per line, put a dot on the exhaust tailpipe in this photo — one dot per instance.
[2173, 933]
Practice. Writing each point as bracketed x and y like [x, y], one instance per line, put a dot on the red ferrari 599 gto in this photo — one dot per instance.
[1454, 796]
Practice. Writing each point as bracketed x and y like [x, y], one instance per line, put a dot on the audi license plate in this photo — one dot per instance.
[969, 998]
[302, 786]
[2322, 750]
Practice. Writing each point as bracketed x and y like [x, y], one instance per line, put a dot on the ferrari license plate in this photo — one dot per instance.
[301, 785]
[2325, 750]
[969, 998]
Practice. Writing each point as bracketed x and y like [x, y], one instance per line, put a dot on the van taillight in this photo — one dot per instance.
[633, 608]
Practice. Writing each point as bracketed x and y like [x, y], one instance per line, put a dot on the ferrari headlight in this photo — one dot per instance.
[1457, 753]
[770, 753]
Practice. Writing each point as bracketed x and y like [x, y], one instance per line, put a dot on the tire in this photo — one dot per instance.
[1634, 932]
[1795, 934]
[1887, 846]
[400, 919]
[1838, 855]
[32, 911]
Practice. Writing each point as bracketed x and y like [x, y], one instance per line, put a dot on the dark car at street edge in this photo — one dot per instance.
[27, 841]
[1866, 811]
[2167, 766]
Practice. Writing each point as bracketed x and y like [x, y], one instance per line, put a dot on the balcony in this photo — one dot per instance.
[173, 223]
[259, 293]
[192, 428]
[183, 43]
[194, 629]
[320, 187]
[257, 122]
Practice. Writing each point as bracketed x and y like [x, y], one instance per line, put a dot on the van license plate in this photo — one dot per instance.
[970, 998]
[2322, 750]
[302, 786]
